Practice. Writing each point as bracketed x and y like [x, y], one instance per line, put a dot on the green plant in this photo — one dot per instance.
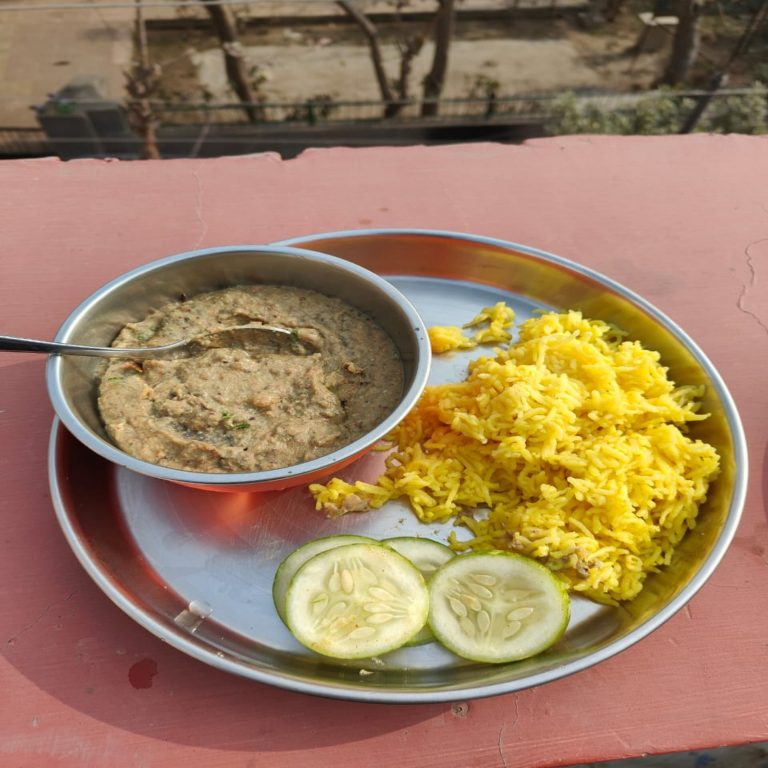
[663, 112]
[483, 87]
[570, 115]
[655, 115]
[317, 107]
[746, 113]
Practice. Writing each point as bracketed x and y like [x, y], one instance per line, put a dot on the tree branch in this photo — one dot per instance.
[435, 79]
[371, 33]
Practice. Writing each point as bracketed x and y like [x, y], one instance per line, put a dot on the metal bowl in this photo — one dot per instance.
[73, 381]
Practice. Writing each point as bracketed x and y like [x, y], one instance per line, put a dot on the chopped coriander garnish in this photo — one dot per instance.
[296, 345]
[148, 334]
[241, 425]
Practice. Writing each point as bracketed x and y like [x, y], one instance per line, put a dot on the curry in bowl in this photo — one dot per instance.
[263, 407]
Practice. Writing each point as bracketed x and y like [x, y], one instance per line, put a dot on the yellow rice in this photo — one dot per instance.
[498, 319]
[569, 446]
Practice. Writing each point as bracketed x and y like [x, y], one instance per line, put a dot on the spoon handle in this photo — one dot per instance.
[16, 344]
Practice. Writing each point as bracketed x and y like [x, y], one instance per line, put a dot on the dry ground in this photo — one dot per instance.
[41, 51]
[301, 62]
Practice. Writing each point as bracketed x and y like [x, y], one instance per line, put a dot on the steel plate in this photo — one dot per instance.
[196, 568]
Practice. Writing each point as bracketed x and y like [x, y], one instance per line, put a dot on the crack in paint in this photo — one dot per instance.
[499, 747]
[48, 608]
[750, 284]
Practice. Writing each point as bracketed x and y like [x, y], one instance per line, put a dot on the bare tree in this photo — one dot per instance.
[372, 36]
[394, 93]
[234, 61]
[409, 49]
[142, 81]
[685, 44]
[435, 79]
[759, 17]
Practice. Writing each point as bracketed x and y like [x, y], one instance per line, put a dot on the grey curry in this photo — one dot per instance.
[256, 408]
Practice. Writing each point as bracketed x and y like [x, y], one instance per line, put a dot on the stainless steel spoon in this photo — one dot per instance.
[293, 339]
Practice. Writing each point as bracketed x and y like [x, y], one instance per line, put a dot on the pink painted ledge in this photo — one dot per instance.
[683, 221]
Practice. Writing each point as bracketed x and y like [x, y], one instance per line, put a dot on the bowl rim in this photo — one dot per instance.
[293, 473]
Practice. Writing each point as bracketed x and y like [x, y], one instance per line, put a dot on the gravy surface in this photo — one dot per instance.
[244, 410]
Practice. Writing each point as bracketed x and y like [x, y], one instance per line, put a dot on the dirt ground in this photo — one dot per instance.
[332, 60]
[41, 51]
[514, 57]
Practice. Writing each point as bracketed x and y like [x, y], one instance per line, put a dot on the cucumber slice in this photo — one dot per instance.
[427, 555]
[497, 607]
[356, 601]
[287, 569]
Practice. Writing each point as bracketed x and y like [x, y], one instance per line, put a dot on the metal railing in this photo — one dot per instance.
[24, 142]
[316, 111]
[327, 110]
[198, 119]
